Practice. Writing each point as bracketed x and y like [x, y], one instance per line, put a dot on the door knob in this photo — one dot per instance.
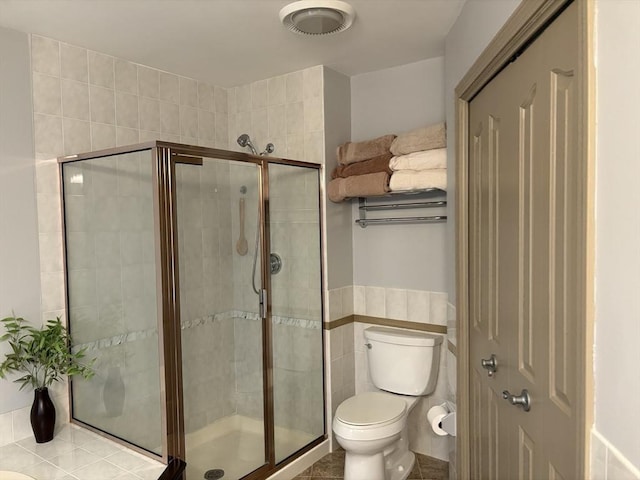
[524, 400]
[491, 365]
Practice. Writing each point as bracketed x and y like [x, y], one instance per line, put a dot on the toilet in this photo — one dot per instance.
[372, 426]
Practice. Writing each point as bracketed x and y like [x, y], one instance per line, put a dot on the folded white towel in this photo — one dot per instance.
[424, 160]
[418, 179]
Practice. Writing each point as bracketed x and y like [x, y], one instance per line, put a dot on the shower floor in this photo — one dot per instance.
[235, 444]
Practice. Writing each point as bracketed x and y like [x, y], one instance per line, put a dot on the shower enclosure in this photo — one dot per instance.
[193, 275]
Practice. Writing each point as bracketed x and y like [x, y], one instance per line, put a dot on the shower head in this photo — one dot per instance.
[245, 141]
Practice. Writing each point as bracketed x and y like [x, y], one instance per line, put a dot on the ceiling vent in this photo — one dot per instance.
[317, 17]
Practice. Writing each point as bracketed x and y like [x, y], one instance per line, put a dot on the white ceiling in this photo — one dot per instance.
[233, 42]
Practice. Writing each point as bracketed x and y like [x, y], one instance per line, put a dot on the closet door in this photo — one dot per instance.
[526, 257]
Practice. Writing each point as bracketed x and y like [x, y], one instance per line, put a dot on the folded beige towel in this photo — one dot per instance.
[425, 138]
[377, 164]
[351, 152]
[423, 160]
[418, 179]
[372, 184]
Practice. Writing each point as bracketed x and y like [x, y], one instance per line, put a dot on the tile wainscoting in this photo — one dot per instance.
[349, 370]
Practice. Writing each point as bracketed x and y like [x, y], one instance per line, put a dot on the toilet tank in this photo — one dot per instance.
[403, 361]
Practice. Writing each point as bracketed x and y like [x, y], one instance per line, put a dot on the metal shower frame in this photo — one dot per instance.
[164, 157]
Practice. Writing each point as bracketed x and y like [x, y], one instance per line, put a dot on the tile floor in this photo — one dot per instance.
[332, 466]
[77, 454]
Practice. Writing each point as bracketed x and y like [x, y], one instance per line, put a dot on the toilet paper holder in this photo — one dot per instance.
[442, 420]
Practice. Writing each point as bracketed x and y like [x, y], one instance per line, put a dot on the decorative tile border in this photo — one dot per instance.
[387, 322]
[197, 322]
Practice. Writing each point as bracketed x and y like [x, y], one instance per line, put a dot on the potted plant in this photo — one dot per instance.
[44, 356]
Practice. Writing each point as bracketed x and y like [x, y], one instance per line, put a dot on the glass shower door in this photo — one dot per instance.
[221, 327]
[296, 320]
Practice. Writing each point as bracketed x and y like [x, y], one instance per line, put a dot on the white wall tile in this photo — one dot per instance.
[259, 94]
[169, 118]
[438, 308]
[396, 303]
[126, 76]
[75, 100]
[335, 304]
[243, 98]
[359, 300]
[336, 342]
[295, 146]
[47, 134]
[126, 110]
[277, 121]
[312, 81]
[347, 300]
[277, 90]
[45, 55]
[314, 147]
[149, 114]
[375, 302]
[103, 105]
[205, 97]
[101, 70]
[295, 118]
[206, 125]
[313, 115]
[74, 63]
[220, 100]
[148, 82]
[188, 92]
[46, 94]
[129, 136]
[169, 88]
[294, 89]
[418, 306]
[77, 136]
[188, 122]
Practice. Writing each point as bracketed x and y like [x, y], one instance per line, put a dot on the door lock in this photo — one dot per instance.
[524, 400]
[491, 365]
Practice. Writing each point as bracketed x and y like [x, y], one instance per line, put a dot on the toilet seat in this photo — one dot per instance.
[371, 409]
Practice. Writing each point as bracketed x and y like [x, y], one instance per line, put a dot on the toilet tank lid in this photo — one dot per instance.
[402, 337]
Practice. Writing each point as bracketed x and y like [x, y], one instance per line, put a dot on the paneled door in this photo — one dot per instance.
[526, 249]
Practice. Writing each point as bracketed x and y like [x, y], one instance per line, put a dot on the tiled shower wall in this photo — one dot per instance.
[84, 100]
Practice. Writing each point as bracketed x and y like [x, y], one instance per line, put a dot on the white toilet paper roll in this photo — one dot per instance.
[435, 416]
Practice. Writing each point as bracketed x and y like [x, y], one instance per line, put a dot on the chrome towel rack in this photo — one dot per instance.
[364, 206]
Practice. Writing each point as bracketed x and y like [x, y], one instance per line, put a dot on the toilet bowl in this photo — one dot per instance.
[372, 426]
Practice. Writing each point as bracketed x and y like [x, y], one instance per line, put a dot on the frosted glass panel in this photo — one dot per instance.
[112, 294]
[297, 308]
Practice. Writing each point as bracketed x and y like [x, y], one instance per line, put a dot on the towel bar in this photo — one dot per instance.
[364, 207]
[363, 222]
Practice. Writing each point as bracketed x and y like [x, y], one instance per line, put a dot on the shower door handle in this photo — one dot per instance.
[263, 304]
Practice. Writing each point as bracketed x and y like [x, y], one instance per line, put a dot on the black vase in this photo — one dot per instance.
[43, 416]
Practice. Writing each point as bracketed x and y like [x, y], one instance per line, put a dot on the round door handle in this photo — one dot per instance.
[524, 400]
[491, 364]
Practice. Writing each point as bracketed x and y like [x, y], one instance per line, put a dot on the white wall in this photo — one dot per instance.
[618, 226]
[396, 100]
[338, 225]
[19, 255]
[476, 26]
